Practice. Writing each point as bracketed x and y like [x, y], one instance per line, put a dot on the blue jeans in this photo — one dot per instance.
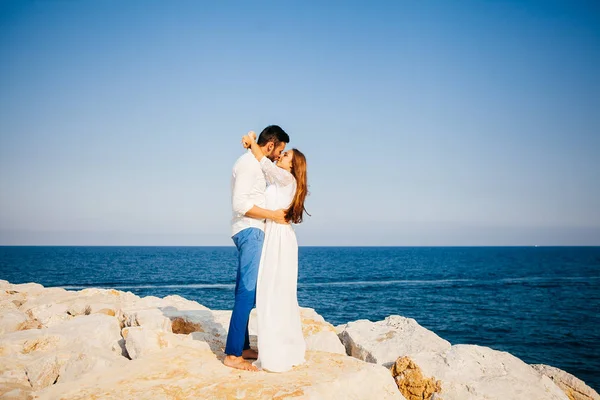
[249, 243]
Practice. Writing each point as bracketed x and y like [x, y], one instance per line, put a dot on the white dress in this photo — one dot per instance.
[279, 329]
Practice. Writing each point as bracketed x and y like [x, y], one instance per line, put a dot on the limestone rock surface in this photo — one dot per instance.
[573, 387]
[189, 373]
[474, 372]
[384, 341]
[102, 343]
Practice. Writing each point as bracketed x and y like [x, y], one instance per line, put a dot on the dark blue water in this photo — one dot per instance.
[541, 304]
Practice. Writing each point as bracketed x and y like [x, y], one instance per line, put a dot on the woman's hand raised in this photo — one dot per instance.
[248, 139]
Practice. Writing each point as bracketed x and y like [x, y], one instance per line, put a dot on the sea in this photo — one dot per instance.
[541, 304]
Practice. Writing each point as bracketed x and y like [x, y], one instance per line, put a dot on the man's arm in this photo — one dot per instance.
[242, 186]
[261, 213]
[243, 206]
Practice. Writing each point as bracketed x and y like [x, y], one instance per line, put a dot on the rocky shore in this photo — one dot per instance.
[108, 344]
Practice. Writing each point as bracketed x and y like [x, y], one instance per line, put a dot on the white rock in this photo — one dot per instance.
[48, 314]
[78, 308]
[7, 304]
[57, 305]
[96, 330]
[215, 343]
[47, 297]
[172, 302]
[108, 295]
[142, 341]
[89, 361]
[31, 289]
[309, 315]
[370, 382]
[182, 303]
[340, 328]
[92, 331]
[209, 326]
[12, 320]
[145, 303]
[15, 392]
[84, 306]
[12, 372]
[212, 322]
[319, 334]
[55, 319]
[151, 318]
[189, 373]
[44, 367]
[82, 354]
[23, 343]
[43, 372]
[45, 354]
[474, 372]
[325, 341]
[570, 385]
[53, 306]
[219, 325]
[384, 341]
[97, 299]
[10, 300]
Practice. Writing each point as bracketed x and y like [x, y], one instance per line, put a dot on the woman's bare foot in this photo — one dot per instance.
[239, 363]
[250, 354]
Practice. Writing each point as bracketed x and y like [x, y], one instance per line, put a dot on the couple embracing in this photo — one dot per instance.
[268, 188]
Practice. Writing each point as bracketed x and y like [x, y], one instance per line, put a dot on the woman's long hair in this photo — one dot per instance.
[295, 212]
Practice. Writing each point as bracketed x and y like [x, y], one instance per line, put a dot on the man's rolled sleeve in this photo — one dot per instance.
[241, 191]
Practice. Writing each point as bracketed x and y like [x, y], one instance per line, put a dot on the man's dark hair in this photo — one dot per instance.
[272, 133]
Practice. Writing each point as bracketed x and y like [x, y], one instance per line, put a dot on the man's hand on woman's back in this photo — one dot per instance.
[279, 217]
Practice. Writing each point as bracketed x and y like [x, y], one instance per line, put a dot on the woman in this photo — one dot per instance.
[280, 340]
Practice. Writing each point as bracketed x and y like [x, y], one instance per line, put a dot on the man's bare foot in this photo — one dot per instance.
[250, 354]
[239, 363]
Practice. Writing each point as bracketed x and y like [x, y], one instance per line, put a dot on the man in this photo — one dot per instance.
[248, 200]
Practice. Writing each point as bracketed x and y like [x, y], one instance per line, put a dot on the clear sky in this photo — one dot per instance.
[423, 122]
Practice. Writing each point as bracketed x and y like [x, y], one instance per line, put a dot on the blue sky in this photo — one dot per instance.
[423, 122]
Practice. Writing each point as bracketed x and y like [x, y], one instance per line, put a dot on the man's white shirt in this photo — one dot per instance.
[248, 187]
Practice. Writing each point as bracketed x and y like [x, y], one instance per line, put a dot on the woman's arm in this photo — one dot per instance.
[249, 142]
[273, 173]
